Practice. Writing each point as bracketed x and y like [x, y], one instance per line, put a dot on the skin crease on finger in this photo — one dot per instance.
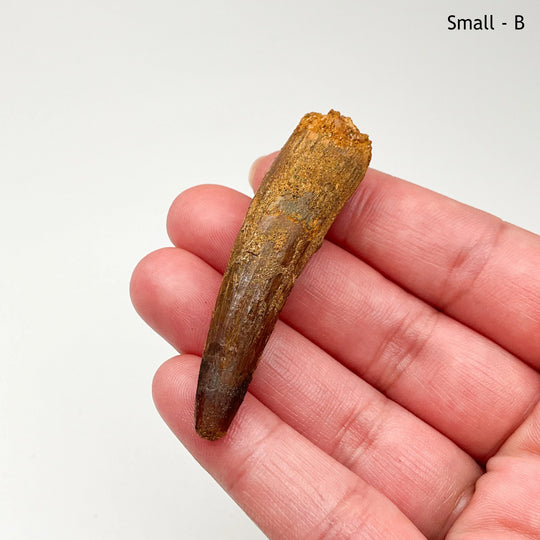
[506, 498]
[440, 385]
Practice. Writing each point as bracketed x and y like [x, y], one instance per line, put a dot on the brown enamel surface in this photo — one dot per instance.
[311, 179]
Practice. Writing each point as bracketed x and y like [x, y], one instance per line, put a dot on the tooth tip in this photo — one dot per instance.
[218, 397]
[213, 415]
[210, 434]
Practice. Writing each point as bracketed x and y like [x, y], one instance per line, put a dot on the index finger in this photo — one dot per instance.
[465, 262]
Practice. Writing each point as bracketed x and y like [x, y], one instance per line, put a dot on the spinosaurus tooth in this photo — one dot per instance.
[311, 179]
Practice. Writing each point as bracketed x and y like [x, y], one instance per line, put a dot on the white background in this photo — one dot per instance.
[109, 109]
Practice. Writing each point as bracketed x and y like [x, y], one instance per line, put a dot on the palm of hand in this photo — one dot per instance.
[397, 397]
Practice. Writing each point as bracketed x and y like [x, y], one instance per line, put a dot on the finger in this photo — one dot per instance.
[465, 262]
[525, 442]
[258, 169]
[380, 441]
[507, 498]
[168, 314]
[456, 380]
[288, 486]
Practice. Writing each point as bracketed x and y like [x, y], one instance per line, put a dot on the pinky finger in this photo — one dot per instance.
[287, 485]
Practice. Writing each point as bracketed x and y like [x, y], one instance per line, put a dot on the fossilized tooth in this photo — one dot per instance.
[311, 179]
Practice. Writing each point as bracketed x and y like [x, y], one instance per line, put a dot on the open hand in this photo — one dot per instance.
[397, 396]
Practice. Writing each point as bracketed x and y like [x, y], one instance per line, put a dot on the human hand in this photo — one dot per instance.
[403, 368]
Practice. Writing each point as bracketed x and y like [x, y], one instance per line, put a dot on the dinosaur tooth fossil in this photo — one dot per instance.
[311, 179]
